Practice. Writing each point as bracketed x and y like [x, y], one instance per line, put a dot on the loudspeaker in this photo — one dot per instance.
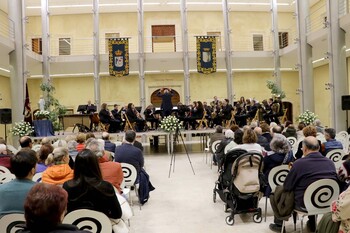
[5, 116]
[345, 102]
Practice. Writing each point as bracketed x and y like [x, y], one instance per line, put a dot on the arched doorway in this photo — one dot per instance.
[157, 101]
[289, 106]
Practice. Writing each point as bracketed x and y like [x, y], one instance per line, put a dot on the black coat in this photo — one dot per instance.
[166, 100]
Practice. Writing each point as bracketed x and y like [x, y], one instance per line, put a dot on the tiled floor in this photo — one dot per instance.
[184, 202]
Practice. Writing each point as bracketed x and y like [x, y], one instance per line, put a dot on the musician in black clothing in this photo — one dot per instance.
[226, 110]
[117, 116]
[151, 116]
[106, 117]
[134, 116]
[90, 108]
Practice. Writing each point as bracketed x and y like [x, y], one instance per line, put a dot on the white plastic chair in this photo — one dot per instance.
[130, 176]
[93, 221]
[207, 150]
[318, 198]
[343, 137]
[10, 222]
[336, 156]
[214, 147]
[292, 141]
[5, 175]
[37, 177]
[276, 177]
[321, 137]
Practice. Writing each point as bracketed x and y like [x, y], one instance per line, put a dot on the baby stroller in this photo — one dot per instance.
[238, 184]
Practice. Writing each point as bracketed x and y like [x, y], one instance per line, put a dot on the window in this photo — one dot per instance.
[64, 46]
[283, 39]
[37, 45]
[218, 39]
[258, 43]
[163, 38]
[109, 36]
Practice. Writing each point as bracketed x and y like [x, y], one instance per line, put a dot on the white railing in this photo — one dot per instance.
[84, 46]
[6, 26]
[317, 18]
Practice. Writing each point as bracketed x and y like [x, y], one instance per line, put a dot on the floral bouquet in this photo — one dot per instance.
[307, 117]
[170, 124]
[22, 129]
[42, 114]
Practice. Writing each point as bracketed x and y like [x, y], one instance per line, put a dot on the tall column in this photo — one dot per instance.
[276, 46]
[185, 51]
[338, 81]
[141, 54]
[306, 81]
[45, 22]
[228, 54]
[18, 70]
[96, 35]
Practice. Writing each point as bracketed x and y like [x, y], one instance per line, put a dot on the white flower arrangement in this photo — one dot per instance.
[42, 114]
[170, 124]
[307, 117]
[22, 129]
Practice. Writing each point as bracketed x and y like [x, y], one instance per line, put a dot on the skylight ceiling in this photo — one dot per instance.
[58, 7]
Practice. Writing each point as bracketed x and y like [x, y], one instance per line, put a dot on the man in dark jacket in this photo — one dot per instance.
[166, 105]
[310, 168]
[109, 146]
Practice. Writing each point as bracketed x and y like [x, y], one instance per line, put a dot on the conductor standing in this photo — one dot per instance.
[166, 105]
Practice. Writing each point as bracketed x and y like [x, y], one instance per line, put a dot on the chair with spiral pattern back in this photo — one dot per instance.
[318, 198]
[276, 178]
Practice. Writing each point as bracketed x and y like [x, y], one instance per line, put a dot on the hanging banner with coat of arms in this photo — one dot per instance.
[206, 54]
[118, 56]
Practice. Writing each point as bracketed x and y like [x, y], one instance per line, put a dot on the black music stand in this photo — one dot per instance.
[82, 128]
[82, 109]
[176, 140]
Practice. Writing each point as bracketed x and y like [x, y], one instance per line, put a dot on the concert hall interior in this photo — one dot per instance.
[267, 61]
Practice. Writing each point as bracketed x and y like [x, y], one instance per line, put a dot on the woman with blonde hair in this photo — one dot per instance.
[58, 171]
[250, 142]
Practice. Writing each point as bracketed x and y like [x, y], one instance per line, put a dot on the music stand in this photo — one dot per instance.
[82, 109]
[176, 140]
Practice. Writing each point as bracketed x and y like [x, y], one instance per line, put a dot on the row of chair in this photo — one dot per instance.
[326, 188]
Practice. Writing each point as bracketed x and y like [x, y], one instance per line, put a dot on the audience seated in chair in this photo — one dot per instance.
[4, 157]
[45, 207]
[312, 167]
[128, 153]
[88, 190]
[111, 171]
[43, 153]
[218, 135]
[109, 146]
[331, 143]
[13, 193]
[281, 154]
[58, 171]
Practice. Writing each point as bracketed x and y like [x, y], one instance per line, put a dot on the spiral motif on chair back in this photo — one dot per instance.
[215, 145]
[13, 227]
[335, 155]
[127, 174]
[89, 224]
[280, 176]
[292, 141]
[321, 196]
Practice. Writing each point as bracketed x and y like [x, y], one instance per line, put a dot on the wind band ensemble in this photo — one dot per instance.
[217, 112]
